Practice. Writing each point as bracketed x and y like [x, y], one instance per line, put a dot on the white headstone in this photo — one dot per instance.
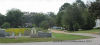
[33, 31]
[49, 30]
[20, 34]
[13, 34]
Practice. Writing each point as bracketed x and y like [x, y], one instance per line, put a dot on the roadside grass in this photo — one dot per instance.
[93, 31]
[55, 37]
[60, 36]
[23, 40]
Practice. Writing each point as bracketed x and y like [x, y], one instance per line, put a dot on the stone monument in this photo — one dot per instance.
[13, 35]
[20, 34]
[33, 33]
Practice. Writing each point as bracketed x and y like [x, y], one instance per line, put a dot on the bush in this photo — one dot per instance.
[97, 28]
[44, 25]
[5, 25]
[42, 29]
[76, 27]
[17, 30]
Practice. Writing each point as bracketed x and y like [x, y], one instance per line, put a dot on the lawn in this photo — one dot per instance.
[93, 31]
[60, 36]
[55, 37]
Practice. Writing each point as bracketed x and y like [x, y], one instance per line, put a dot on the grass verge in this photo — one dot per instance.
[93, 31]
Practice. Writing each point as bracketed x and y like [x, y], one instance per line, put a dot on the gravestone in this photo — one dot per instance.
[34, 33]
[44, 34]
[13, 35]
[20, 34]
[40, 34]
[2, 33]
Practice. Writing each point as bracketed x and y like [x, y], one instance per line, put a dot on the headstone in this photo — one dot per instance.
[33, 33]
[13, 34]
[44, 34]
[34, 30]
[20, 34]
[40, 34]
[2, 33]
[49, 30]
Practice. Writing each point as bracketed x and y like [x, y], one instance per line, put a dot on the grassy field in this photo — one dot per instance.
[55, 37]
[93, 31]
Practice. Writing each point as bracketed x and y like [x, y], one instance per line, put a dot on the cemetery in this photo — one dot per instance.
[49, 22]
[23, 32]
[16, 35]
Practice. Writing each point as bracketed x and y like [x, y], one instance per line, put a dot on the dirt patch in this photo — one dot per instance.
[57, 31]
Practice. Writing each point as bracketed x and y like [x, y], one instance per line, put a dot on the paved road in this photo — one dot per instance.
[93, 41]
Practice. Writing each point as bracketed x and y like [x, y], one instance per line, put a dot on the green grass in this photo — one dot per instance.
[23, 40]
[60, 36]
[56, 37]
[93, 31]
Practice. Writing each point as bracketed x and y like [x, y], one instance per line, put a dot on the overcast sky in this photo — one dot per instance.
[33, 5]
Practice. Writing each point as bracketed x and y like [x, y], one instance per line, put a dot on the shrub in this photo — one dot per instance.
[44, 25]
[5, 25]
[16, 30]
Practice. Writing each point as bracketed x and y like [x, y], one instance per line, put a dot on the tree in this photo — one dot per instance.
[37, 18]
[94, 9]
[51, 14]
[61, 13]
[5, 25]
[80, 4]
[90, 15]
[63, 7]
[44, 24]
[14, 17]
[72, 16]
[59, 18]
[51, 18]
[76, 26]
[2, 19]
[89, 20]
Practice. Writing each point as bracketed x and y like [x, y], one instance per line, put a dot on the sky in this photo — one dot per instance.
[33, 5]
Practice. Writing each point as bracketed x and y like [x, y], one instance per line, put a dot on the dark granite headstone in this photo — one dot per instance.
[44, 34]
[2, 33]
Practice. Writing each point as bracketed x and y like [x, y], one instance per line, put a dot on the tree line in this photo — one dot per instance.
[70, 16]
[15, 18]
